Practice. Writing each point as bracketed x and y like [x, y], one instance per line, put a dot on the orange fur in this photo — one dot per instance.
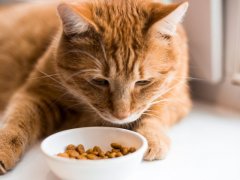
[110, 64]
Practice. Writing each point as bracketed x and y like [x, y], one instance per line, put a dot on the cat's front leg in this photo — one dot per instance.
[27, 118]
[158, 141]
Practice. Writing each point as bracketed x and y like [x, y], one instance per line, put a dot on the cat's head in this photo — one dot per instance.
[117, 56]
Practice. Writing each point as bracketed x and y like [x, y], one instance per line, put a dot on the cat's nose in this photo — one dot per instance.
[121, 115]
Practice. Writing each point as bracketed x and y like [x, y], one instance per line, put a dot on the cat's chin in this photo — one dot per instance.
[121, 122]
[127, 120]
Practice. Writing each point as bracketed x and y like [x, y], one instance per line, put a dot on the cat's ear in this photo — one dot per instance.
[165, 18]
[75, 19]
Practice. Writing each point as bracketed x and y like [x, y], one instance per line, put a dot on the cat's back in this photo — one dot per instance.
[31, 23]
[26, 30]
[27, 18]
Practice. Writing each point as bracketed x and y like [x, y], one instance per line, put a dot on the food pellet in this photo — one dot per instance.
[65, 155]
[112, 155]
[95, 153]
[119, 154]
[73, 154]
[132, 149]
[125, 150]
[70, 147]
[80, 148]
[102, 155]
[116, 146]
[116, 150]
[89, 151]
[92, 156]
[107, 153]
[79, 152]
[82, 157]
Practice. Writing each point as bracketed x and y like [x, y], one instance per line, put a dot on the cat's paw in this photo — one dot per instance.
[157, 148]
[10, 150]
[2, 169]
[158, 144]
[5, 162]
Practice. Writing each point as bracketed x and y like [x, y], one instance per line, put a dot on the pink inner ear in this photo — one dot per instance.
[167, 17]
[158, 11]
[76, 19]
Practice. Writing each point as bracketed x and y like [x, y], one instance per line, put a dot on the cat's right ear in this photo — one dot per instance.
[75, 19]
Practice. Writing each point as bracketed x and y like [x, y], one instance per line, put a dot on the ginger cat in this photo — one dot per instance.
[101, 63]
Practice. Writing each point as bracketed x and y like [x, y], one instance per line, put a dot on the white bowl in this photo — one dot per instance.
[108, 169]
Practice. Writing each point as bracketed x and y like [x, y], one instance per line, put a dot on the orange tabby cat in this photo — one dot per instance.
[111, 63]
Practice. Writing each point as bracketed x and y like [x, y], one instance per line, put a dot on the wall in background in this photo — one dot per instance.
[226, 92]
[203, 24]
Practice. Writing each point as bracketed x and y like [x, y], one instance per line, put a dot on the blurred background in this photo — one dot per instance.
[213, 28]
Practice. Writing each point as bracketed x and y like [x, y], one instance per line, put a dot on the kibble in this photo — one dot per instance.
[79, 152]
[112, 155]
[65, 155]
[119, 154]
[132, 149]
[80, 148]
[116, 150]
[116, 146]
[73, 154]
[82, 157]
[124, 150]
[89, 151]
[101, 155]
[92, 156]
[70, 147]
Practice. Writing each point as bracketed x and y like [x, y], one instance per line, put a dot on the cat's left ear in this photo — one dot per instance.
[165, 18]
[76, 19]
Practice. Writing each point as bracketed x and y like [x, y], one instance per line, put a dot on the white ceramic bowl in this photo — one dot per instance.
[108, 169]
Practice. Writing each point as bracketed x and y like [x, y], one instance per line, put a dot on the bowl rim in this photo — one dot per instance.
[141, 149]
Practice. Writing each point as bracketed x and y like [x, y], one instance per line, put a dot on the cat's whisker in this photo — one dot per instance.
[150, 110]
[96, 71]
[61, 96]
[167, 100]
[152, 115]
[74, 105]
[58, 86]
[52, 75]
[103, 50]
[61, 89]
[161, 101]
[158, 93]
[166, 90]
[189, 78]
[95, 60]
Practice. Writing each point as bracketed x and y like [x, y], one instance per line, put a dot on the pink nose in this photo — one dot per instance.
[121, 115]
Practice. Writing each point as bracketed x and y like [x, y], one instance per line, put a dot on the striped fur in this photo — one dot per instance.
[89, 75]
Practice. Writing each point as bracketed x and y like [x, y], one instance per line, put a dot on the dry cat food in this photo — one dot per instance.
[79, 152]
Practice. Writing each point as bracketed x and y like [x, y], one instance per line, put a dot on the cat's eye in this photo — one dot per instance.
[143, 82]
[100, 82]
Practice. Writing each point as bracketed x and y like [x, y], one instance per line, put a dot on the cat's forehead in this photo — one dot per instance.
[122, 31]
[146, 61]
[120, 24]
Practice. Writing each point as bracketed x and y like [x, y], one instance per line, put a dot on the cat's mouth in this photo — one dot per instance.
[113, 120]
[132, 118]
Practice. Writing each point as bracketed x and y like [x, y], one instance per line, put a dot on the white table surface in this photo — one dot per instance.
[205, 146]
